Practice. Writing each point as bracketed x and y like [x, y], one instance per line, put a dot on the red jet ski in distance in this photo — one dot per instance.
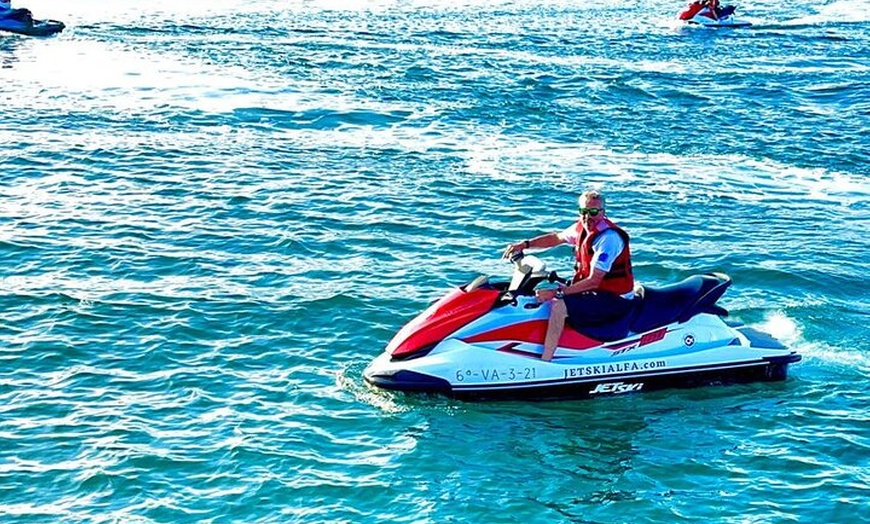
[696, 14]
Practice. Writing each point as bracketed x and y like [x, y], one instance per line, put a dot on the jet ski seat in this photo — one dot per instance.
[655, 307]
[678, 302]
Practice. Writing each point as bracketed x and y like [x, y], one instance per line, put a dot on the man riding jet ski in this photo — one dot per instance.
[603, 284]
[710, 14]
[495, 338]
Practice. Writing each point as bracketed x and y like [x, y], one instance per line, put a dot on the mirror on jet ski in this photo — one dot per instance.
[525, 266]
[476, 283]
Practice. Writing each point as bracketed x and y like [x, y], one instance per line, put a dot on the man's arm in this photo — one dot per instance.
[590, 283]
[544, 241]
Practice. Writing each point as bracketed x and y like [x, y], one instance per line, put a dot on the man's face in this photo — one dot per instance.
[591, 213]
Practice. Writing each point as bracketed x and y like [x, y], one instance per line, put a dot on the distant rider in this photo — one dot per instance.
[21, 14]
[711, 9]
[603, 284]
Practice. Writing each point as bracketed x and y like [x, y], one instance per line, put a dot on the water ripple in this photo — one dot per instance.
[214, 216]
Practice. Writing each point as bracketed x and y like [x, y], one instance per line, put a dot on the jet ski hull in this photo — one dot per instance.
[769, 369]
[37, 28]
[708, 22]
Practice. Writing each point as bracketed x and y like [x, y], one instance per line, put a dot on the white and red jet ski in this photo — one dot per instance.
[485, 339]
[696, 13]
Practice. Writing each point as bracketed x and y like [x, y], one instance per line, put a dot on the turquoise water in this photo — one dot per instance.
[214, 215]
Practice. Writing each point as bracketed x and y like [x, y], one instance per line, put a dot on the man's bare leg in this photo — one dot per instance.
[555, 326]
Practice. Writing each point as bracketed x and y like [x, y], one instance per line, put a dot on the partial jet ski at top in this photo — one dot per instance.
[31, 28]
[485, 340]
[708, 13]
[21, 21]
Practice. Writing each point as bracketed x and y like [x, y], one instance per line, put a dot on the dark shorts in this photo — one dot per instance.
[595, 307]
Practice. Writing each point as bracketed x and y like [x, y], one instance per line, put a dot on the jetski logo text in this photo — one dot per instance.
[616, 387]
[616, 367]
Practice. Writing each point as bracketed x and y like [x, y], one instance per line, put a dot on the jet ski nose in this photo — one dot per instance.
[386, 373]
[404, 380]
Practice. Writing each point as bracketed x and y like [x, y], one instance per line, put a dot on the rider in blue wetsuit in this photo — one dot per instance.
[21, 14]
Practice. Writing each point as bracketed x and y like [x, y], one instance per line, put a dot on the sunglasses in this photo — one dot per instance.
[591, 211]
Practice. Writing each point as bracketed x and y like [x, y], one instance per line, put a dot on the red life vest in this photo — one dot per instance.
[619, 279]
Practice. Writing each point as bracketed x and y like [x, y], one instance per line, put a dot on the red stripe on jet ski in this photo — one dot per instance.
[533, 332]
[511, 348]
[653, 336]
[646, 338]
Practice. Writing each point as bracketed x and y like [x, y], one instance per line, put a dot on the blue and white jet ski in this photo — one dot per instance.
[16, 22]
[485, 340]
